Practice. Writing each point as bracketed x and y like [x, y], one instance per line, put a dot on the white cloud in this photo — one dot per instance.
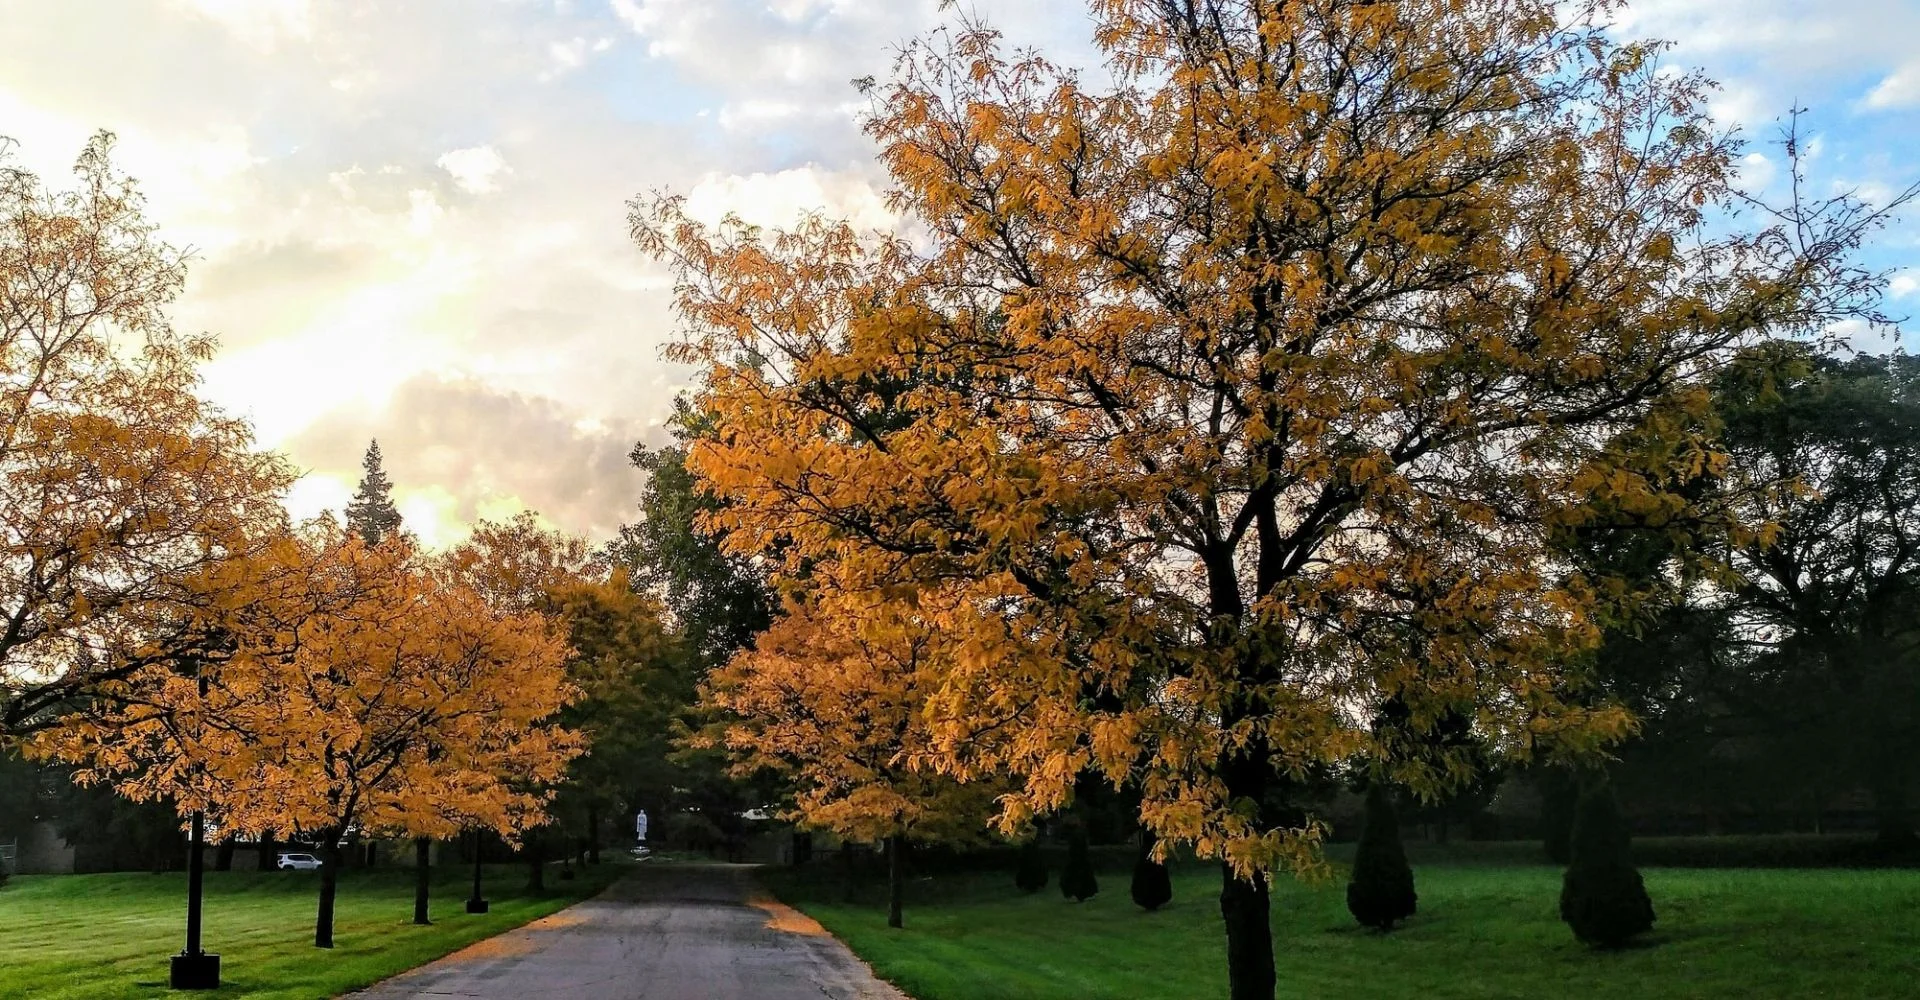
[780, 199]
[1900, 89]
[476, 170]
[265, 25]
[1756, 172]
[1904, 283]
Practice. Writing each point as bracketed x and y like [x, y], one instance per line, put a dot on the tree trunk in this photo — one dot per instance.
[269, 853]
[846, 855]
[593, 834]
[329, 882]
[1244, 906]
[896, 882]
[223, 857]
[536, 872]
[422, 874]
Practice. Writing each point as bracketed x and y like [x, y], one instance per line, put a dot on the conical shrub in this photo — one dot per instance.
[1381, 893]
[1152, 887]
[1602, 897]
[1030, 871]
[1076, 880]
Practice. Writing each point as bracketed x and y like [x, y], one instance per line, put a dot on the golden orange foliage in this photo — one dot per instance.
[621, 654]
[517, 564]
[833, 695]
[119, 486]
[1222, 406]
[354, 691]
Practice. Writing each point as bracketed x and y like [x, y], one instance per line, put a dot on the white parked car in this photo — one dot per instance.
[298, 862]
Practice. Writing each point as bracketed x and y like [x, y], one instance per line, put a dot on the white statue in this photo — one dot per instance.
[640, 826]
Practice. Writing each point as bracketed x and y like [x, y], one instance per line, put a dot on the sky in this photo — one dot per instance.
[408, 219]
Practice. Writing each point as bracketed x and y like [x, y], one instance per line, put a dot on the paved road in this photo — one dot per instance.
[668, 932]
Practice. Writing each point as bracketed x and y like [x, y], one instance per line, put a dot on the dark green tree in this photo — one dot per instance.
[1152, 887]
[1381, 893]
[1077, 881]
[719, 602]
[1602, 897]
[715, 603]
[372, 513]
[1030, 871]
[1825, 452]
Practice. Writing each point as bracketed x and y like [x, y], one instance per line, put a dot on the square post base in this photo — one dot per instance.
[195, 972]
[476, 906]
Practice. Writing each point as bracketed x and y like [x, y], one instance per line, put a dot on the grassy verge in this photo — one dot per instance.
[108, 937]
[1484, 931]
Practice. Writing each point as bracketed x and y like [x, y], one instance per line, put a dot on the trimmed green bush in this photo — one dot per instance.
[1076, 880]
[1152, 887]
[1602, 897]
[1030, 871]
[1381, 893]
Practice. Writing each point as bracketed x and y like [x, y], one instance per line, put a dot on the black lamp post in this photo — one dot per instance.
[194, 969]
[475, 904]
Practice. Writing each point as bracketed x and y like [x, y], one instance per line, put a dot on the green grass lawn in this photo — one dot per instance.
[1483, 931]
[108, 937]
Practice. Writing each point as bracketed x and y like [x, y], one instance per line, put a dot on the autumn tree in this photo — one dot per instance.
[355, 692]
[1320, 320]
[371, 514]
[635, 676]
[833, 695]
[119, 485]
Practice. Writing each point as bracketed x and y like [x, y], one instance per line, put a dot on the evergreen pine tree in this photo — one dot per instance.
[1603, 898]
[1076, 880]
[1152, 887]
[372, 514]
[1030, 872]
[1381, 893]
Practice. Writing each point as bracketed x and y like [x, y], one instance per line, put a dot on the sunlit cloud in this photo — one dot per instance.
[408, 220]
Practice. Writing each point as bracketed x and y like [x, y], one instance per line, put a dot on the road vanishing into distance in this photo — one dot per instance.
[666, 932]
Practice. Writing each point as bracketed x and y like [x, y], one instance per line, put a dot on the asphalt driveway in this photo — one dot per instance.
[668, 932]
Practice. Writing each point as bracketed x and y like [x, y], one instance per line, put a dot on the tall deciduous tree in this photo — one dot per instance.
[834, 695]
[371, 514]
[1245, 391]
[635, 676]
[1827, 463]
[719, 600]
[118, 484]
